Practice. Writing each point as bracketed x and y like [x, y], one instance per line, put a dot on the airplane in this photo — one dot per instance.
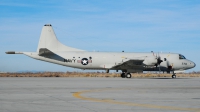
[51, 50]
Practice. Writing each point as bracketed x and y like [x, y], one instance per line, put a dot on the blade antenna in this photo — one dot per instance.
[153, 53]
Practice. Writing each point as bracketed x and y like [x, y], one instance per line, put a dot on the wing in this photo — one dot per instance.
[135, 63]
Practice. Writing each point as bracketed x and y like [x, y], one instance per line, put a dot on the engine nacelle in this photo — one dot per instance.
[150, 61]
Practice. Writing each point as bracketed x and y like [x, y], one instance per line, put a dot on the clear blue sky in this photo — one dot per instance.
[100, 25]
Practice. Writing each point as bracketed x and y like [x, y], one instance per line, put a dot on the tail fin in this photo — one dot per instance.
[49, 41]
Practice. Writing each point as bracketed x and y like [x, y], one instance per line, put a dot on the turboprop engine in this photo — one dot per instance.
[150, 61]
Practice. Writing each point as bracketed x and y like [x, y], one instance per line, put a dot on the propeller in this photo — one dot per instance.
[158, 60]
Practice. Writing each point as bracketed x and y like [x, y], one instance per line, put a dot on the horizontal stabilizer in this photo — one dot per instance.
[49, 54]
[44, 51]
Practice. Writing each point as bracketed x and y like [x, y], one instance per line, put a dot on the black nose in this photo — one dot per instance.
[194, 64]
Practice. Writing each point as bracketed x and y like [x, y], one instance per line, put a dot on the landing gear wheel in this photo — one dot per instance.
[128, 75]
[123, 75]
[173, 76]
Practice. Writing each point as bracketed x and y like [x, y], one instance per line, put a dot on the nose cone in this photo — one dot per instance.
[194, 65]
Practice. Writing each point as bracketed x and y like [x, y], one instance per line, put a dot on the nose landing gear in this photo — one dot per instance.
[174, 75]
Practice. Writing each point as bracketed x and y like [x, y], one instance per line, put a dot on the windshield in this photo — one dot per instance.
[181, 56]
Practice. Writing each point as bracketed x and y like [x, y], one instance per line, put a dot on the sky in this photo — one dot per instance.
[99, 25]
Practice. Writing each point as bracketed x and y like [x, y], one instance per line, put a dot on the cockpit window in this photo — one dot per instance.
[181, 56]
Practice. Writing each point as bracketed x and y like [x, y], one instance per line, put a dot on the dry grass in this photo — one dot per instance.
[90, 74]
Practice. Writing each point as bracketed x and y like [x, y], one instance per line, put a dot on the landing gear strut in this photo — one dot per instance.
[126, 75]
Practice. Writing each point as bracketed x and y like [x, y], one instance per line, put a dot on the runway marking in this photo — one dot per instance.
[79, 96]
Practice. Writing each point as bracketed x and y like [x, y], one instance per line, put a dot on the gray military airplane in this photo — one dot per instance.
[51, 50]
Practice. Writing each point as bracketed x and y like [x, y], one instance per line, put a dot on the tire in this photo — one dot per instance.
[123, 75]
[173, 76]
[128, 75]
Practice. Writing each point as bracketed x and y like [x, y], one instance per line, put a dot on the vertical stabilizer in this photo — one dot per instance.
[49, 41]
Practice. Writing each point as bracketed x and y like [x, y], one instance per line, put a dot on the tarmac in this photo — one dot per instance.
[96, 94]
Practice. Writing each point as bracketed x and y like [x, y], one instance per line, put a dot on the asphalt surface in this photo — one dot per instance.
[99, 94]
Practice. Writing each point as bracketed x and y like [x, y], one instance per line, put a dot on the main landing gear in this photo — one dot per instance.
[126, 75]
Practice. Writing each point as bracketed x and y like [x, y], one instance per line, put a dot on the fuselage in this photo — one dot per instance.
[107, 60]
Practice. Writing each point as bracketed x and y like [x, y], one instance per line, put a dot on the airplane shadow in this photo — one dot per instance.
[161, 78]
[166, 78]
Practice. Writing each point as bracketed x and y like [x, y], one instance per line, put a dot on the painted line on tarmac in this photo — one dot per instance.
[79, 96]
